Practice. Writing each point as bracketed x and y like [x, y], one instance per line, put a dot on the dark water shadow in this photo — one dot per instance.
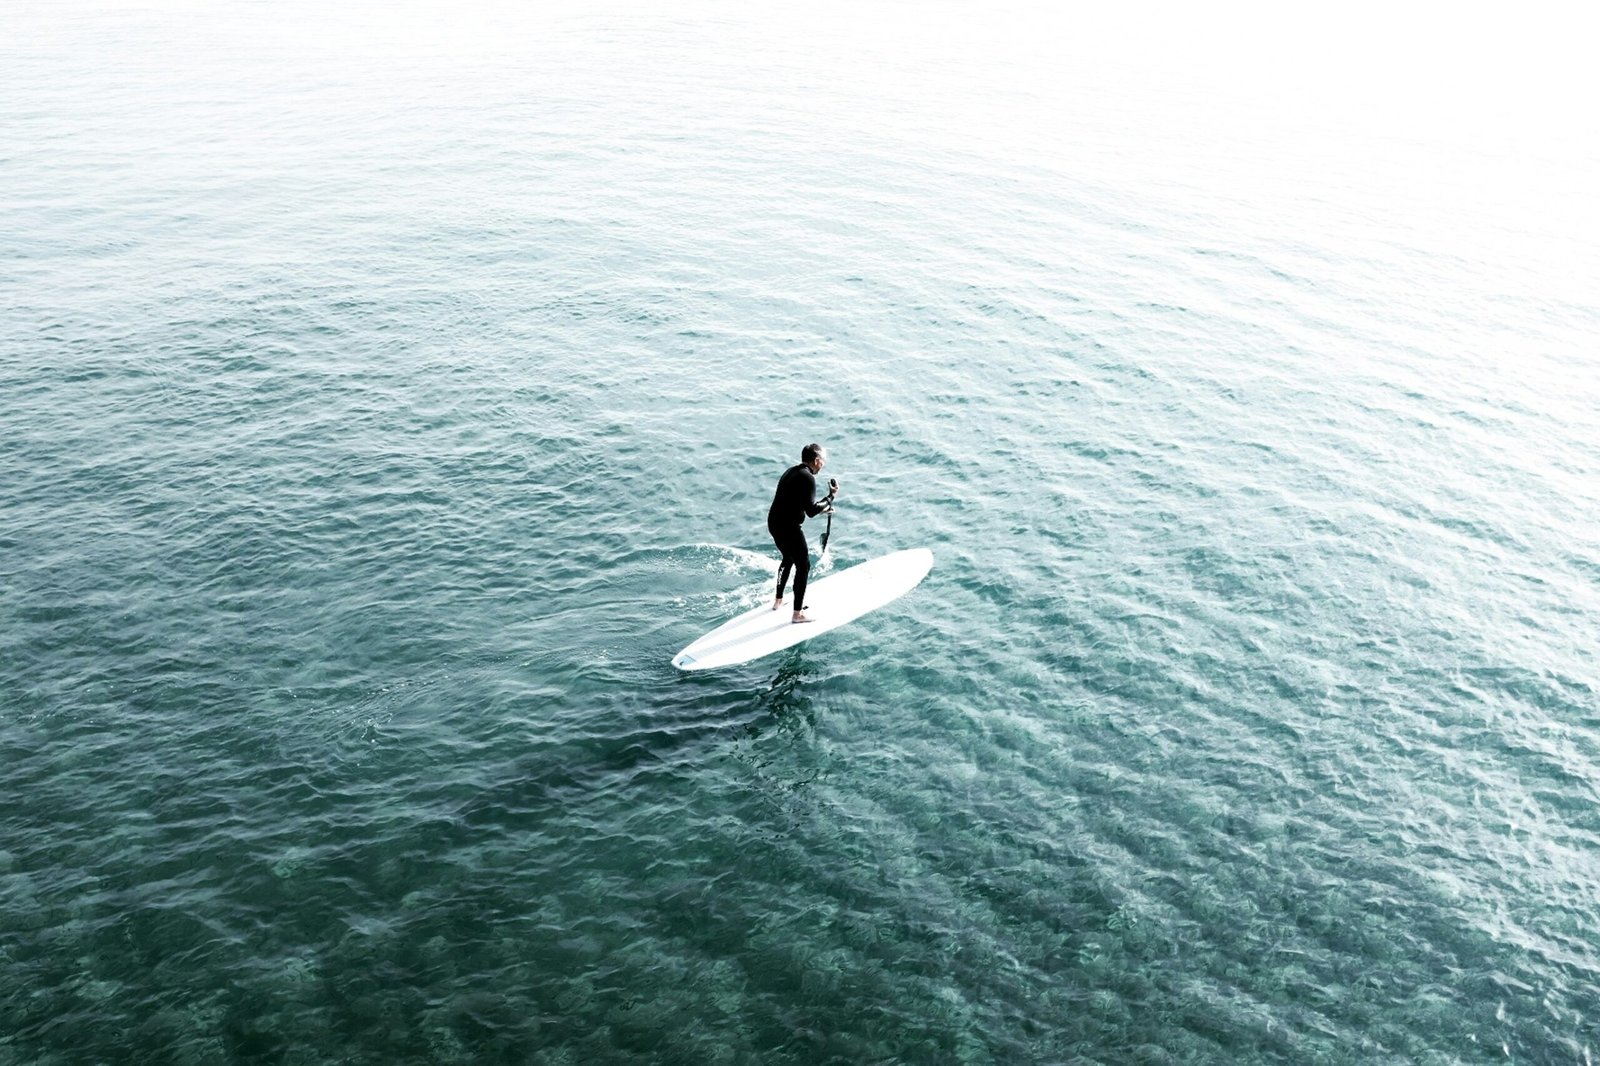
[670, 731]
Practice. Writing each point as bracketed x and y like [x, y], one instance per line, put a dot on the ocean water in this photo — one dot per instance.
[388, 392]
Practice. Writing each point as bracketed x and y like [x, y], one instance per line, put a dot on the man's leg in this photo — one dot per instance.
[783, 579]
[796, 557]
[802, 571]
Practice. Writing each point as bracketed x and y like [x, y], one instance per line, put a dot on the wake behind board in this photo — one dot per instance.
[830, 602]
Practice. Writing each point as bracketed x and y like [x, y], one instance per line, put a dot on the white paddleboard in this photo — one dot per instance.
[830, 603]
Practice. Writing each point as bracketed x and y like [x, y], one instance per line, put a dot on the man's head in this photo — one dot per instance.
[813, 456]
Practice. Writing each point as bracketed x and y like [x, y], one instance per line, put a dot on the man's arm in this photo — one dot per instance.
[826, 503]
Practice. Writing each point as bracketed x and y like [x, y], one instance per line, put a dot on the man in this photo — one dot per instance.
[794, 502]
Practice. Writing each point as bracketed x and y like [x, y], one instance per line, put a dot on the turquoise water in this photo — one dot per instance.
[389, 393]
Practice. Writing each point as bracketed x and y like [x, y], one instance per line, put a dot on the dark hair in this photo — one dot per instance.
[810, 452]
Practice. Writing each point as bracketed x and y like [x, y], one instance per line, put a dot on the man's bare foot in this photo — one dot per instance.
[778, 603]
[799, 616]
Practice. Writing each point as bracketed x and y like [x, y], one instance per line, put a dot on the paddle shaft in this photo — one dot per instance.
[833, 487]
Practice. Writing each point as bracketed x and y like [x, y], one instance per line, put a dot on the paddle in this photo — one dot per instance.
[833, 487]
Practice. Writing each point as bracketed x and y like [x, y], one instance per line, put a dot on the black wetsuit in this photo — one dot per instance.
[795, 500]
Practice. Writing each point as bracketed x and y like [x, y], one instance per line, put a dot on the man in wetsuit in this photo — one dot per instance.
[792, 504]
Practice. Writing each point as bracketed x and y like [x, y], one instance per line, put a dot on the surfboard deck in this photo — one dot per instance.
[831, 602]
